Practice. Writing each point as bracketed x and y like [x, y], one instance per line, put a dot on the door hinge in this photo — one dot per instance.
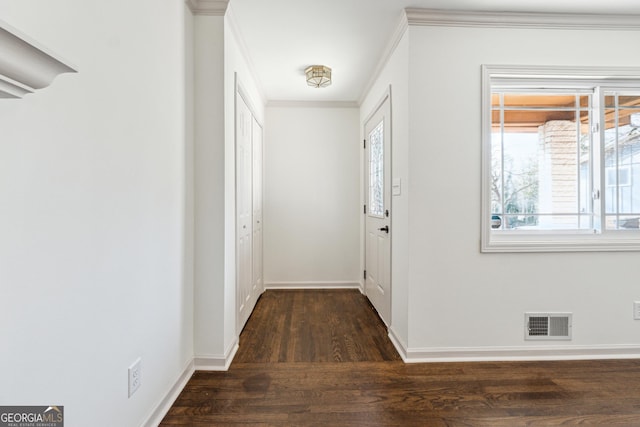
[364, 143]
[365, 209]
[364, 276]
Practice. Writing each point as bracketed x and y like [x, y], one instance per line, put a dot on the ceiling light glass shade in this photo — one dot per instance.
[318, 76]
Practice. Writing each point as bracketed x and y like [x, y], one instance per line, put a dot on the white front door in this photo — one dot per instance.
[378, 210]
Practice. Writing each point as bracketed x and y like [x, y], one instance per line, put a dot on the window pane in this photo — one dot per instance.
[541, 178]
[520, 173]
[622, 161]
[622, 222]
[624, 100]
[496, 174]
[533, 100]
[376, 171]
[495, 100]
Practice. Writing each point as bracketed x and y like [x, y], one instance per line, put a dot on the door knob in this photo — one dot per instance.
[385, 229]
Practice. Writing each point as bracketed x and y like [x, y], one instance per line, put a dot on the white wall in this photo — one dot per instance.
[189, 166]
[218, 57]
[94, 212]
[312, 197]
[209, 187]
[395, 75]
[460, 299]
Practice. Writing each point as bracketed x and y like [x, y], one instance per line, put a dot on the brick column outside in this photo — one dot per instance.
[558, 185]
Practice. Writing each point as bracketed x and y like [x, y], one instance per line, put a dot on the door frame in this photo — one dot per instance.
[386, 97]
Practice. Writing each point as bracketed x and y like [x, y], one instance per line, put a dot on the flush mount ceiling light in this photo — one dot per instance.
[318, 75]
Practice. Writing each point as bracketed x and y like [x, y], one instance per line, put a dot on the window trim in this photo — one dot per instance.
[550, 241]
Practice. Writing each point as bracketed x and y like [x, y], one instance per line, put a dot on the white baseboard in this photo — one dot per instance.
[165, 404]
[400, 346]
[216, 362]
[198, 363]
[313, 285]
[505, 354]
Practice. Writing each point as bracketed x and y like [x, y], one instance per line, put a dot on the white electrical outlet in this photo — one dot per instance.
[135, 376]
[636, 310]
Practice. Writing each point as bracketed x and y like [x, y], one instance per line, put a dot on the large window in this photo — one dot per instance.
[561, 161]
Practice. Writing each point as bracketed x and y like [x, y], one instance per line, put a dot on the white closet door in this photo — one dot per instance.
[248, 210]
[244, 217]
[257, 287]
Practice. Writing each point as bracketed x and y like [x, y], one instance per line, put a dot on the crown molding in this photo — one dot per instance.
[24, 65]
[562, 21]
[208, 7]
[390, 48]
[230, 22]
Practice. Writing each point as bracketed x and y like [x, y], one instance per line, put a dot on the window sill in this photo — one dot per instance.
[613, 241]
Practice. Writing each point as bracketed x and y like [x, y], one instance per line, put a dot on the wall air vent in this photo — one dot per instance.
[547, 326]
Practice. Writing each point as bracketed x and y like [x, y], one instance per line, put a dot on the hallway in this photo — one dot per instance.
[314, 326]
[321, 357]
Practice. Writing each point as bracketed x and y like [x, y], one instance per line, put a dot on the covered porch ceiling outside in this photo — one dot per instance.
[525, 113]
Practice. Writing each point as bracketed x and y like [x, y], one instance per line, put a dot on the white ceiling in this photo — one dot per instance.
[283, 37]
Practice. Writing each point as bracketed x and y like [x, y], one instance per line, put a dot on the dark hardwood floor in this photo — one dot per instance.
[314, 326]
[322, 358]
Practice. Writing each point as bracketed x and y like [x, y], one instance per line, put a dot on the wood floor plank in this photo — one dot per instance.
[322, 358]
